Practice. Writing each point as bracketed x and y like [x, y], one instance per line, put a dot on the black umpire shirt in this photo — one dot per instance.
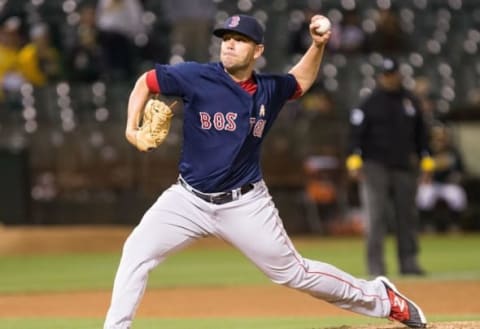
[388, 128]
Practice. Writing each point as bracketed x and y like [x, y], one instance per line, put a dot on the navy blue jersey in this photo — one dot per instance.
[224, 125]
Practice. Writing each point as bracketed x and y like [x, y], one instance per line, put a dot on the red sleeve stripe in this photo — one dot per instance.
[152, 82]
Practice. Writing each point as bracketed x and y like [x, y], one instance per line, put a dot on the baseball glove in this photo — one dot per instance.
[154, 125]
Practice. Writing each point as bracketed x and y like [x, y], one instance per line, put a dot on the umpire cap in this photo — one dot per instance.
[244, 25]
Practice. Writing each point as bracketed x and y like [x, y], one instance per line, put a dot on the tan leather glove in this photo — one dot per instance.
[154, 126]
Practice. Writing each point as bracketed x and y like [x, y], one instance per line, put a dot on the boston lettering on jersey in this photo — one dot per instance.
[226, 122]
[224, 125]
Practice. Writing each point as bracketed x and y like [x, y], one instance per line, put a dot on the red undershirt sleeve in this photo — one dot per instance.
[298, 92]
[152, 82]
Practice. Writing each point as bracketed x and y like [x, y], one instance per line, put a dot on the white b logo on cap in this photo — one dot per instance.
[234, 21]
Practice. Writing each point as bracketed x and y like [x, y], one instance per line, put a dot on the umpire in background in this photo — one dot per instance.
[388, 139]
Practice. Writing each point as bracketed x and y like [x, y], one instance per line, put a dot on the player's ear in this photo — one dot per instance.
[258, 51]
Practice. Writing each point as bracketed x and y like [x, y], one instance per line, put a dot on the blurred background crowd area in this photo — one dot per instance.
[67, 67]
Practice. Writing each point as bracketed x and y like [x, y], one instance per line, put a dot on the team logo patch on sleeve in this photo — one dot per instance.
[409, 108]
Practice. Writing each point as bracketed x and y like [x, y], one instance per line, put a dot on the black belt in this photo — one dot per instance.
[221, 198]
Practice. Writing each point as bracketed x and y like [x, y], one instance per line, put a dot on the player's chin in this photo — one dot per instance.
[230, 65]
[227, 60]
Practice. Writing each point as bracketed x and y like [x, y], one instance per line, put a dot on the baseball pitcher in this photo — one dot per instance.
[228, 111]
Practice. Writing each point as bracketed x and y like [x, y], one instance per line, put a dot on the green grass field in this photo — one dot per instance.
[220, 323]
[449, 257]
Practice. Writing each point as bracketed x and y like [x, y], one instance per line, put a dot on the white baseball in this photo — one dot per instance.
[322, 24]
